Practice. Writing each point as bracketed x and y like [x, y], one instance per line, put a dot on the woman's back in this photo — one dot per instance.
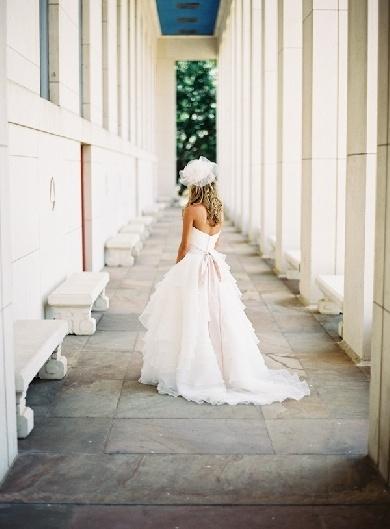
[200, 220]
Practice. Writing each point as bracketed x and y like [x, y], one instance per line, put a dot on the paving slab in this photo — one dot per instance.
[70, 435]
[310, 343]
[120, 306]
[143, 401]
[300, 323]
[133, 371]
[97, 398]
[73, 343]
[41, 395]
[194, 517]
[120, 322]
[94, 365]
[311, 407]
[194, 479]
[319, 436]
[324, 360]
[111, 341]
[347, 375]
[189, 436]
[346, 402]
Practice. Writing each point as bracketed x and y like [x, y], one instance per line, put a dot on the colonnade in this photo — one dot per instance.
[302, 149]
[292, 81]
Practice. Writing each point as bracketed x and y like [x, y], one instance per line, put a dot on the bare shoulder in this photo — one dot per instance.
[195, 211]
[188, 212]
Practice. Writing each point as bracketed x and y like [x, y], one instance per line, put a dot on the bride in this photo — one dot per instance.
[199, 343]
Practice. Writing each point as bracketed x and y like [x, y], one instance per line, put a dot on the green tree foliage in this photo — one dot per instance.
[196, 111]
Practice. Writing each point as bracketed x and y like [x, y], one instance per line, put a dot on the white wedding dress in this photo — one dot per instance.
[199, 342]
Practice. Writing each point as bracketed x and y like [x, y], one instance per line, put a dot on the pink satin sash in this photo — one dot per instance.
[208, 264]
[210, 276]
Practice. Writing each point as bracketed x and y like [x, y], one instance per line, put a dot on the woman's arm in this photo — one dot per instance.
[188, 220]
[218, 243]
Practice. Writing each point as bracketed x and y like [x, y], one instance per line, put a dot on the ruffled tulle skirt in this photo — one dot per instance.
[199, 342]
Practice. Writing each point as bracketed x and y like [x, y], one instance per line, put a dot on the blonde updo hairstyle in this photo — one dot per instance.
[208, 196]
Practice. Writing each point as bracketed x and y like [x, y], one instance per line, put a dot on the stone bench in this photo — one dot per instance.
[153, 209]
[37, 351]
[293, 260]
[121, 249]
[148, 220]
[332, 287]
[137, 228]
[74, 299]
[272, 246]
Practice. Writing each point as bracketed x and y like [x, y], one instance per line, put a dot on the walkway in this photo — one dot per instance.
[109, 452]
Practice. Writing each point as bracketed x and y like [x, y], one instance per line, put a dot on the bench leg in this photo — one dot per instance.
[24, 416]
[82, 323]
[325, 306]
[102, 302]
[137, 248]
[56, 367]
[79, 319]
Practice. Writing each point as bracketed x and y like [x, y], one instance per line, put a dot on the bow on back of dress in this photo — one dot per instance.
[209, 268]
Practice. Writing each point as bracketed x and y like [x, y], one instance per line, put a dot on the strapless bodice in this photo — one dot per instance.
[203, 241]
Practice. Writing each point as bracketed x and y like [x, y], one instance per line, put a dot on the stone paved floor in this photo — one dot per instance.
[108, 452]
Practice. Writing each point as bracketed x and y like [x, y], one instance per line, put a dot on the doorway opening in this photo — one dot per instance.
[196, 107]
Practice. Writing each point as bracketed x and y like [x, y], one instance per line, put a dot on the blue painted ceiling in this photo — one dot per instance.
[184, 17]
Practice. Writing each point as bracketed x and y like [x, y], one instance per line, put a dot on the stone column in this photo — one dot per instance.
[288, 197]
[238, 107]
[123, 59]
[223, 127]
[8, 441]
[269, 118]
[138, 73]
[256, 121]
[144, 53]
[110, 66]
[232, 105]
[324, 121]
[245, 114]
[149, 101]
[379, 430]
[227, 148]
[166, 126]
[132, 73]
[361, 175]
[92, 62]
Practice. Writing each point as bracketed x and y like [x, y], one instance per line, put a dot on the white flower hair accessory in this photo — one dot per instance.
[198, 172]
